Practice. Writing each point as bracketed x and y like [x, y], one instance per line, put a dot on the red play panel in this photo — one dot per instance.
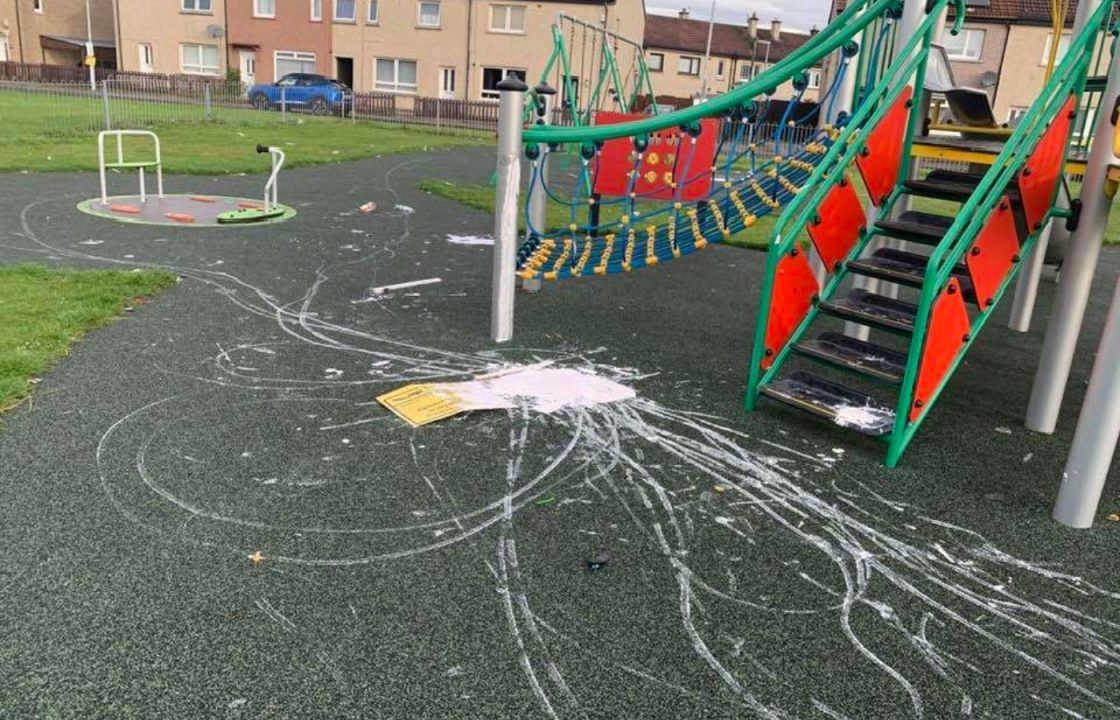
[839, 219]
[945, 334]
[671, 157]
[1039, 177]
[882, 155]
[794, 288]
[991, 257]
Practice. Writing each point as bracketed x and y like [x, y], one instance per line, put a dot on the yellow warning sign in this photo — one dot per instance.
[422, 404]
[90, 60]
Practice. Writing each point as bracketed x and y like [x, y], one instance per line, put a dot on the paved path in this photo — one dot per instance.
[412, 574]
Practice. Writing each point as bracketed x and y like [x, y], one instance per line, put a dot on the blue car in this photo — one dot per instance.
[315, 93]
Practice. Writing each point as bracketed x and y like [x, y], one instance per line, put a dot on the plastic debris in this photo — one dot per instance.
[1003, 430]
[1114, 517]
[368, 207]
[598, 562]
[257, 557]
[720, 488]
[546, 500]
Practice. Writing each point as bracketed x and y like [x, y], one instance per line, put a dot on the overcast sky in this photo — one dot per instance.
[794, 14]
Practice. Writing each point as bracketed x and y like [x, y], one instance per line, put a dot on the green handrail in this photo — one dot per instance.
[832, 167]
[840, 31]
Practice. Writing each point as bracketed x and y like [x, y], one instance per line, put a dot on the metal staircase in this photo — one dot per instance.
[872, 345]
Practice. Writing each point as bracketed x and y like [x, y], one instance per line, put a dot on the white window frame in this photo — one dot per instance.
[195, 6]
[257, 6]
[507, 13]
[1016, 112]
[202, 69]
[660, 66]
[5, 49]
[693, 62]
[373, 13]
[495, 94]
[1063, 48]
[397, 85]
[420, 13]
[814, 79]
[37, 6]
[296, 55]
[316, 11]
[445, 72]
[965, 34]
[340, 18]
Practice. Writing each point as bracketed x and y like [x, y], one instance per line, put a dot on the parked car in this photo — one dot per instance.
[316, 93]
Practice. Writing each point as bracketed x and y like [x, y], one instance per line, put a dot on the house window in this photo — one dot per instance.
[688, 65]
[146, 57]
[397, 76]
[4, 47]
[814, 79]
[344, 10]
[429, 15]
[199, 6]
[1015, 114]
[200, 59]
[447, 82]
[288, 62]
[719, 69]
[747, 72]
[373, 14]
[507, 18]
[264, 8]
[966, 46]
[316, 10]
[655, 62]
[491, 76]
[37, 6]
[1063, 46]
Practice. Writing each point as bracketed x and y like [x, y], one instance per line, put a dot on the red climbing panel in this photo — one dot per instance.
[671, 157]
[839, 219]
[794, 288]
[945, 335]
[1039, 177]
[881, 157]
[993, 254]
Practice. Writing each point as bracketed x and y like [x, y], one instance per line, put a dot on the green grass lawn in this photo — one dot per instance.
[46, 311]
[41, 132]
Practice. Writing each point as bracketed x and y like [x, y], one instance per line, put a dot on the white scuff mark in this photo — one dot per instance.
[1003, 430]
[332, 373]
[470, 239]
[404, 209]
[91, 242]
[236, 703]
[862, 416]
[455, 671]
[1027, 457]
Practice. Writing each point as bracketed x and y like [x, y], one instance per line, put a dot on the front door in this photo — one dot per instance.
[447, 83]
[248, 66]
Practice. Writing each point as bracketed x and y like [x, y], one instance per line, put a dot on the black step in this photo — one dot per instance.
[916, 225]
[906, 268]
[876, 361]
[874, 310]
[843, 406]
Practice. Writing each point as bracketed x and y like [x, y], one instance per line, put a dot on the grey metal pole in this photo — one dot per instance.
[1078, 268]
[209, 111]
[283, 104]
[105, 104]
[1098, 428]
[1026, 287]
[538, 197]
[504, 283]
[89, 49]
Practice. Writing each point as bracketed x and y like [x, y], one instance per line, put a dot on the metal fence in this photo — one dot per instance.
[60, 101]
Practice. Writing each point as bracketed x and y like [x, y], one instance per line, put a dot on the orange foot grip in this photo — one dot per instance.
[130, 209]
[245, 205]
[180, 217]
[202, 198]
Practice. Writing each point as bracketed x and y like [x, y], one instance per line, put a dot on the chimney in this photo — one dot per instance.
[684, 13]
[775, 30]
[752, 26]
[814, 30]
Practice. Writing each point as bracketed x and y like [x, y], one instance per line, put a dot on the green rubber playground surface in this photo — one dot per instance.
[204, 513]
